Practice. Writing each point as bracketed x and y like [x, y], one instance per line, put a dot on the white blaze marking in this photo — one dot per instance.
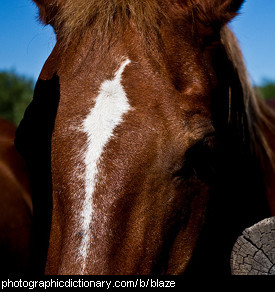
[111, 104]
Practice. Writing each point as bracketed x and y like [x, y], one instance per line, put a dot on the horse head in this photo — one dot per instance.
[146, 91]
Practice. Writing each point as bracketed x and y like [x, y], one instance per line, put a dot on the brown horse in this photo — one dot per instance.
[15, 205]
[149, 150]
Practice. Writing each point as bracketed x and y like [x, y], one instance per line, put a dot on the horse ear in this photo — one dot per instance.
[47, 10]
[228, 9]
[217, 12]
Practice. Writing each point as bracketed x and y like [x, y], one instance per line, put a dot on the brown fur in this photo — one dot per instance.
[108, 19]
[214, 12]
[72, 18]
[150, 205]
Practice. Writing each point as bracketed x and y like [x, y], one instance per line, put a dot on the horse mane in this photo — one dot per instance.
[71, 18]
[255, 120]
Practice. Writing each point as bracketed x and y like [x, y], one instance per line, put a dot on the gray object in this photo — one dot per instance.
[254, 251]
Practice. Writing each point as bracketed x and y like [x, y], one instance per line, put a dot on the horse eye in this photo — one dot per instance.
[200, 160]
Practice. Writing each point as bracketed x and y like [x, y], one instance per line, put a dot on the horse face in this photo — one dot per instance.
[132, 148]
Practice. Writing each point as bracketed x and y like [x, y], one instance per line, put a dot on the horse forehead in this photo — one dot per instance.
[122, 107]
[154, 99]
[118, 82]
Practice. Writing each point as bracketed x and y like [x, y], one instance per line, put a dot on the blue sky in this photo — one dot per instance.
[26, 44]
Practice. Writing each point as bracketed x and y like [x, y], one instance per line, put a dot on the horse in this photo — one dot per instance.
[15, 205]
[148, 148]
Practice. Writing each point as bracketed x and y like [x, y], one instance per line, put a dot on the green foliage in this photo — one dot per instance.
[267, 90]
[15, 94]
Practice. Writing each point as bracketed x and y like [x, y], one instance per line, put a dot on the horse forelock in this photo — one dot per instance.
[71, 18]
[108, 19]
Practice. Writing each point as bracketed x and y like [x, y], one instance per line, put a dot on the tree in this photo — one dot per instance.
[267, 89]
[15, 94]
